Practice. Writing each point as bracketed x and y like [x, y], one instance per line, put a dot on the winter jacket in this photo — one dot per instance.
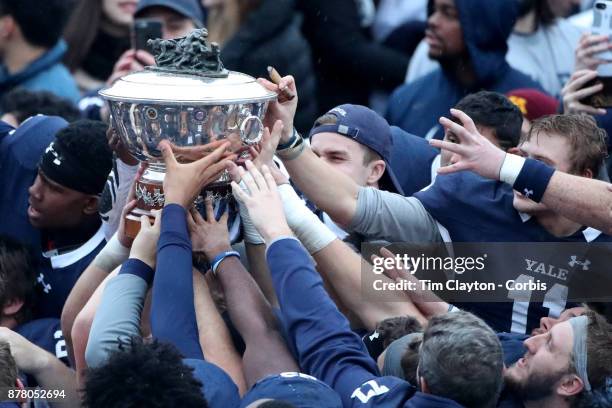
[46, 73]
[487, 24]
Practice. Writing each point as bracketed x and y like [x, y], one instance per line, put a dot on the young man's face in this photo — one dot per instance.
[447, 157]
[444, 34]
[345, 155]
[552, 149]
[545, 365]
[53, 206]
[174, 25]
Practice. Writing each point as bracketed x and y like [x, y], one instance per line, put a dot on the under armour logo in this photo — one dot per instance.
[574, 261]
[46, 286]
[57, 161]
[527, 193]
[374, 335]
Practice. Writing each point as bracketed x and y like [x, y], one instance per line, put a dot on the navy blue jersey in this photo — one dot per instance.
[474, 209]
[46, 334]
[57, 275]
[327, 347]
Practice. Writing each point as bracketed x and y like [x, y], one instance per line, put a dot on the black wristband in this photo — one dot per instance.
[294, 136]
[533, 179]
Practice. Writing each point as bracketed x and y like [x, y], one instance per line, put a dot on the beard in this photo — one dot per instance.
[535, 387]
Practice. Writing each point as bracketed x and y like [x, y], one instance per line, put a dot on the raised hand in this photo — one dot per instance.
[130, 61]
[117, 145]
[208, 235]
[144, 247]
[183, 182]
[587, 51]
[285, 111]
[476, 152]
[575, 91]
[262, 201]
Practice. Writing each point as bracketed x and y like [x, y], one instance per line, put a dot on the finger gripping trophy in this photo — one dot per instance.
[191, 100]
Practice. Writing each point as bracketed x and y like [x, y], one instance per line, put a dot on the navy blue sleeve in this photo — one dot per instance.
[173, 316]
[138, 268]
[327, 347]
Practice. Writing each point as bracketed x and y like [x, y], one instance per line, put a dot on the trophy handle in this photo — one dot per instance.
[251, 130]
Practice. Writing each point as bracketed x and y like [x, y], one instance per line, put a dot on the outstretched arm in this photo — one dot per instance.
[172, 311]
[586, 201]
[327, 347]
[215, 338]
[266, 352]
[346, 271]
[118, 316]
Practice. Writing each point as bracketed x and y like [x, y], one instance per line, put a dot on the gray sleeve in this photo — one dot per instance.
[392, 217]
[117, 317]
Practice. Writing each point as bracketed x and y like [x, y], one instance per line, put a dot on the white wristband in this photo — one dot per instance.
[309, 229]
[112, 255]
[251, 235]
[511, 167]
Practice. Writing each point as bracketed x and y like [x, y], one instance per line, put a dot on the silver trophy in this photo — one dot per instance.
[190, 99]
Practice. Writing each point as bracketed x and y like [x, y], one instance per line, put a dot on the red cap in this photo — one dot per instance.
[533, 104]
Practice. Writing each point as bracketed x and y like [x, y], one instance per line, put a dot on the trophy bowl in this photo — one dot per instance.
[190, 100]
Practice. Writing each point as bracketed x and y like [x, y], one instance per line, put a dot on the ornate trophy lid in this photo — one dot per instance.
[188, 70]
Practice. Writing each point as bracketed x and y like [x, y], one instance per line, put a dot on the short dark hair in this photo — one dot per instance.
[87, 138]
[394, 328]
[23, 104]
[461, 359]
[588, 142]
[8, 366]
[17, 276]
[599, 350]
[41, 21]
[142, 374]
[494, 110]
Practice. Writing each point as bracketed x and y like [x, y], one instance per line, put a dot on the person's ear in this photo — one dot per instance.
[377, 169]
[588, 173]
[514, 150]
[570, 384]
[90, 206]
[12, 307]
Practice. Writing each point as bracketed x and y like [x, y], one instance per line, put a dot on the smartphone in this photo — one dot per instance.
[602, 25]
[143, 31]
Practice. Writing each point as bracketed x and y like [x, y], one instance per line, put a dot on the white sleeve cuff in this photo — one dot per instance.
[511, 167]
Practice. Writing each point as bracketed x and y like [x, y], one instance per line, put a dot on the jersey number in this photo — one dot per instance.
[374, 391]
[555, 301]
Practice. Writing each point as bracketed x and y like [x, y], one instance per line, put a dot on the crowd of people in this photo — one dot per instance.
[432, 123]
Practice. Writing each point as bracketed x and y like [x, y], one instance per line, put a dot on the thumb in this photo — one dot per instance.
[166, 150]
